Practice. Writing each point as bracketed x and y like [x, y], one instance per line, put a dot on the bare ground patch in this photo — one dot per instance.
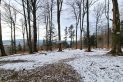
[12, 61]
[59, 72]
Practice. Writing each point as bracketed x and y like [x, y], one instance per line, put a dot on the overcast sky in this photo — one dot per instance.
[66, 20]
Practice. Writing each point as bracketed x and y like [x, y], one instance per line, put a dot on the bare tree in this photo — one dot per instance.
[88, 30]
[66, 33]
[47, 12]
[10, 18]
[23, 33]
[83, 12]
[1, 42]
[71, 32]
[98, 13]
[50, 10]
[30, 8]
[81, 21]
[116, 41]
[14, 29]
[46, 21]
[25, 22]
[75, 6]
[34, 9]
[59, 8]
[107, 17]
[29, 25]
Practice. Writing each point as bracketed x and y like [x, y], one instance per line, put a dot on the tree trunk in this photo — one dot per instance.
[14, 42]
[24, 46]
[108, 25]
[34, 26]
[116, 41]
[30, 40]
[51, 24]
[96, 33]
[35, 31]
[88, 32]
[76, 33]
[25, 22]
[11, 50]
[81, 38]
[23, 33]
[59, 5]
[1, 42]
[81, 29]
[46, 21]
[59, 33]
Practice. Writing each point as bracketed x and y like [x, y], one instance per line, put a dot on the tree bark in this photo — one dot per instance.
[81, 29]
[108, 26]
[14, 25]
[46, 20]
[116, 41]
[30, 40]
[1, 42]
[88, 32]
[51, 24]
[76, 34]
[25, 23]
[34, 25]
[96, 31]
[59, 7]
[11, 50]
[23, 33]
[14, 42]
[82, 22]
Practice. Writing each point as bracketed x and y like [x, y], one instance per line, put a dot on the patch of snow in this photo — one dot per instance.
[96, 67]
[34, 60]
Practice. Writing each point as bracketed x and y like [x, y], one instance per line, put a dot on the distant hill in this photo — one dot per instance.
[8, 42]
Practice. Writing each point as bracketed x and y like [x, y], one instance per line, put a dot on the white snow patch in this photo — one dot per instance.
[34, 60]
[97, 67]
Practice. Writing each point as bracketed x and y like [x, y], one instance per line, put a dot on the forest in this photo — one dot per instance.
[61, 40]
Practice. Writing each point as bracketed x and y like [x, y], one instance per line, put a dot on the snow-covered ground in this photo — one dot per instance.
[93, 66]
[33, 60]
[96, 67]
